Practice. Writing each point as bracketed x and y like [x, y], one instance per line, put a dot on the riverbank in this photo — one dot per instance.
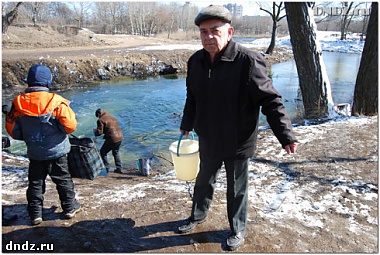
[80, 58]
[324, 199]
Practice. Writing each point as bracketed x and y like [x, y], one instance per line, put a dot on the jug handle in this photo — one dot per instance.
[180, 138]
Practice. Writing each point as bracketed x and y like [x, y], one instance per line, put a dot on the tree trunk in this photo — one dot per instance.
[275, 14]
[273, 39]
[8, 18]
[345, 20]
[366, 87]
[313, 79]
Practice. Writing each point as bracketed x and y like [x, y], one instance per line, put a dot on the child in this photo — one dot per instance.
[43, 120]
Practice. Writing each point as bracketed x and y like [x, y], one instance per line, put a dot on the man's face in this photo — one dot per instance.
[215, 35]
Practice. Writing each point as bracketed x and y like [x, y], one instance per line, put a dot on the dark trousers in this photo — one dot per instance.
[59, 174]
[237, 191]
[107, 147]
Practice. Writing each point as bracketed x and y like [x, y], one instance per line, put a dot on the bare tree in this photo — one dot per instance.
[349, 11]
[367, 81]
[31, 11]
[9, 17]
[36, 11]
[131, 17]
[80, 10]
[276, 13]
[142, 17]
[111, 17]
[174, 7]
[60, 13]
[101, 18]
[121, 17]
[313, 80]
[187, 17]
[113, 7]
[346, 18]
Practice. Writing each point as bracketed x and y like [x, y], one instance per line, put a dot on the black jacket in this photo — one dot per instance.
[224, 99]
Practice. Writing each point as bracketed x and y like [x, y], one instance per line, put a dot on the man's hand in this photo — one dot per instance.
[291, 148]
[185, 133]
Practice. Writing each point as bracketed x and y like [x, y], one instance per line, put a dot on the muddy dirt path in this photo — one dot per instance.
[322, 200]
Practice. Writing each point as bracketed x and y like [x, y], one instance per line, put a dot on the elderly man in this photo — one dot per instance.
[226, 86]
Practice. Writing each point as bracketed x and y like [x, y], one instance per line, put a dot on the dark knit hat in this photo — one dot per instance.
[39, 75]
[98, 112]
[213, 12]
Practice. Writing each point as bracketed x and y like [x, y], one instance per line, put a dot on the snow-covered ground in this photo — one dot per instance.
[283, 198]
[330, 41]
[272, 192]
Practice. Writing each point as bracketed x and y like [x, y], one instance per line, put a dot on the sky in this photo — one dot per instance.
[250, 8]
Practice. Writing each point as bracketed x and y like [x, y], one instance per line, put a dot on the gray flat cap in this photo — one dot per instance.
[213, 12]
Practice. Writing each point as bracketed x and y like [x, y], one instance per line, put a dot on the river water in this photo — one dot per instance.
[149, 110]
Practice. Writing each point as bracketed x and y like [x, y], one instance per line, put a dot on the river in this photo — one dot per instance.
[149, 110]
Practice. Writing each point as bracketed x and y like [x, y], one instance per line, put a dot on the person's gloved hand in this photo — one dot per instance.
[5, 109]
[291, 148]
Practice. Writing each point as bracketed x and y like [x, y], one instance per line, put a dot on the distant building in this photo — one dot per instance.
[236, 10]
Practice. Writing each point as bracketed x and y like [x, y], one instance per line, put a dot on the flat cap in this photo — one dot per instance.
[213, 12]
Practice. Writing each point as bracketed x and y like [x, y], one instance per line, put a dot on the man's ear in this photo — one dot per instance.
[230, 32]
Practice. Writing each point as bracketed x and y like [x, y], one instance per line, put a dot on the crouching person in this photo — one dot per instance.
[108, 126]
[43, 121]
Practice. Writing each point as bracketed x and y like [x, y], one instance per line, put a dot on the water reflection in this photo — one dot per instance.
[341, 68]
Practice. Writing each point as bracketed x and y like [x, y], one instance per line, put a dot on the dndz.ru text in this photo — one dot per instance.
[340, 11]
[28, 247]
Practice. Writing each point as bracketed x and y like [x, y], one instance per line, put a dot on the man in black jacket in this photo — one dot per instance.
[226, 86]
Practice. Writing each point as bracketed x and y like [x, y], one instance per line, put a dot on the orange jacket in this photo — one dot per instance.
[42, 120]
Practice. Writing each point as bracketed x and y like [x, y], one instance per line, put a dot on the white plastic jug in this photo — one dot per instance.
[185, 155]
